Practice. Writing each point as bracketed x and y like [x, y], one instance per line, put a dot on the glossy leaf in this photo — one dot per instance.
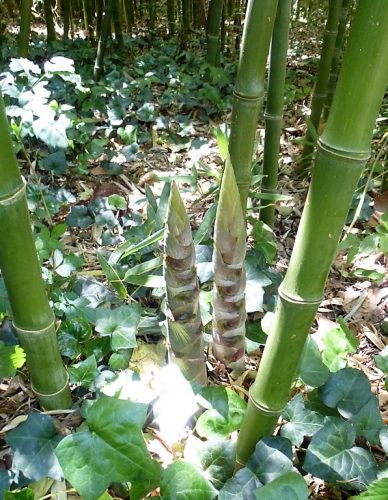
[183, 481]
[84, 372]
[312, 369]
[347, 390]
[12, 357]
[87, 455]
[290, 485]
[121, 324]
[378, 490]
[33, 443]
[301, 421]
[332, 457]
[241, 486]
[215, 457]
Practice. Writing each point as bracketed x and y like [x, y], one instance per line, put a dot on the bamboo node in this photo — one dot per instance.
[15, 196]
[53, 394]
[264, 409]
[299, 300]
[356, 156]
[42, 331]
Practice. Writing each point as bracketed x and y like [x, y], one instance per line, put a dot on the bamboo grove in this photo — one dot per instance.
[344, 106]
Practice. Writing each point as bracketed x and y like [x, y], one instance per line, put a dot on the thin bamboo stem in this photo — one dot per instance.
[249, 90]
[25, 22]
[274, 109]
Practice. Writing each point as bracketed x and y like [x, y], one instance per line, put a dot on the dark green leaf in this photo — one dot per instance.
[206, 226]
[78, 217]
[241, 486]
[338, 343]
[72, 335]
[33, 443]
[183, 481]
[332, 456]
[301, 421]
[312, 370]
[290, 486]
[84, 372]
[368, 421]
[112, 442]
[121, 324]
[120, 360]
[5, 481]
[215, 457]
[56, 162]
[112, 276]
[272, 458]
[347, 390]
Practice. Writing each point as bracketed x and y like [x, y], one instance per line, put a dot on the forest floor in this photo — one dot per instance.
[153, 119]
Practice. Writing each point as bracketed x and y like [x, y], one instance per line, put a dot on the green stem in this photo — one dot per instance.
[319, 93]
[343, 151]
[274, 110]
[98, 65]
[249, 90]
[171, 17]
[48, 12]
[25, 22]
[213, 32]
[32, 317]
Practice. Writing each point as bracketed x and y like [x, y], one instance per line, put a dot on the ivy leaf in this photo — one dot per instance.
[347, 390]
[84, 372]
[55, 162]
[368, 421]
[376, 491]
[72, 334]
[12, 357]
[182, 480]
[225, 413]
[338, 343]
[290, 485]
[271, 458]
[33, 443]
[384, 439]
[301, 421]
[240, 487]
[331, 456]
[121, 324]
[215, 457]
[78, 217]
[312, 369]
[112, 441]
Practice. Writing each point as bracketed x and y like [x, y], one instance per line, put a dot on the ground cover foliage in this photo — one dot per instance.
[99, 159]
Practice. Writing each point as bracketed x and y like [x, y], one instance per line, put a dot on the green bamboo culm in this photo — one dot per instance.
[48, 13]
[66, 18]
[98, 65]
[343, 151]
[229, 313]
[117, 24]
[249, 90]
[335, 63]
[320, 88]
[274, 109]
[25, 26]
[213, 32]
[33, 319]
[184, 323]
[88, 18]
[171, 17]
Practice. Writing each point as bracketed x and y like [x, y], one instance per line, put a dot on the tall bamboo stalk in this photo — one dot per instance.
[88, 12]
[343, 151]
[171, 17]
[213, 32]
[33, 319]
[66, 18]
[338, 49]
[274, 109]
[184, 323]
[117, 24]
[320, 88]
[25, 22]
[98, 65]
[249, 90]
[48, 13]
[229, 275]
